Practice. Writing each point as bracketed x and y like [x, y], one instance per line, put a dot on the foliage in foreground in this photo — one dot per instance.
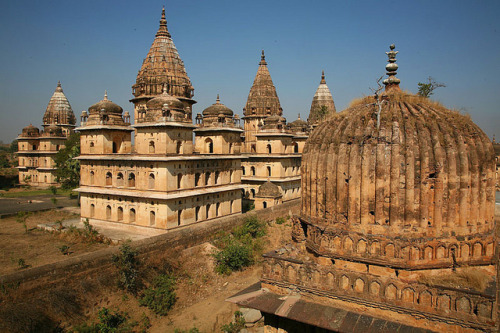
[160, 297]
[127, 263]
[236, 326]
[427, 89]
[88, 234]
[68, 169]
[238, 249]
[109, 321]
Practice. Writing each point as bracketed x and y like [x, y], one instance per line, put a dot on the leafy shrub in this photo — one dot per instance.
[280, 220]
[53, 190]
[236, 326]
[54, 200]
[252, 226]
[161, 296]
[234, 256]
[127, 264]
[64, 249]
[109, 322]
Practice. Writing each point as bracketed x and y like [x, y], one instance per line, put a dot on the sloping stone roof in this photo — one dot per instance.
[163, 65]
[269, 190]
[59, 110]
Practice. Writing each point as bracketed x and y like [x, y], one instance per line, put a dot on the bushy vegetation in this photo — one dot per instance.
[68, 169]
[239, 248]
[237, 325]
[88, 234]
[127, 263]
[109, 322]
[160, 297]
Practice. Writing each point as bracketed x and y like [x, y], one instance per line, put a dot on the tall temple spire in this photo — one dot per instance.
[263, 99]
[392, 82]
[322, 104]
[163, 66]
[162, 30]
[59, 110]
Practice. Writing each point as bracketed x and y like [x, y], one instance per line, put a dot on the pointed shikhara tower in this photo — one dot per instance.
[36, 149]
[271, 148]
[262, 102]
[397, 227]
[322, 106]
[162, 67]
[163, 182]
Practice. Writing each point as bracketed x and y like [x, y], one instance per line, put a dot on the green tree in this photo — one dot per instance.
[427, 89]
[68, 168]
[13, 147]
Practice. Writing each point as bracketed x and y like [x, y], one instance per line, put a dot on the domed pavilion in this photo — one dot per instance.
[397, 227]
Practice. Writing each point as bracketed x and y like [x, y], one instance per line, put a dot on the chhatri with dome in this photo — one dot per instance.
[396, 231]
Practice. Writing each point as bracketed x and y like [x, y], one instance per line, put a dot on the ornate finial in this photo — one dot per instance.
[164, 89]
[163, 31]
[217, 101]
[263, 59]
[59, 87]
[494, 141]
[298, 117]
[105, 95]
[392, 82]
[323, 81]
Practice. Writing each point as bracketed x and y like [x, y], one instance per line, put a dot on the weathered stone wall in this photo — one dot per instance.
[180, 238]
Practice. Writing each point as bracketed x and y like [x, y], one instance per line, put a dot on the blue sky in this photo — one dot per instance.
[96, 45]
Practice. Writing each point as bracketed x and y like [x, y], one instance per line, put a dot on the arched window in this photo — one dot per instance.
[57, 147]
[45, 179]
[268, 149]
[119, 179]
[197, 177]
[243, 170]
[231, 180]
[208, 211]
[131, 215]
[91, 147]
[109, 179]
[207, 178]
[252, 148]
[92, 210]
[231, 206]
[151, 183]
[264, 204]
[217, 173]
[295, 147]
[131, 180]
[209, 146]
[179, 217]
[217, 206]
[179, 147]
[151, 147]
[252, 171]
[253, 193]
[115, 148]
[108, 212]
[120, 214]
[152, 218]
[179, 180]
[231, 148]
[197, 213]
[269, 171]
[91, 177]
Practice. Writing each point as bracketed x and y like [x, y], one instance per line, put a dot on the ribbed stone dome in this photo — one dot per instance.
[105, 106]
[159, 101]
[53, 130]
[30, 131]
[217, 109]
[426, 174]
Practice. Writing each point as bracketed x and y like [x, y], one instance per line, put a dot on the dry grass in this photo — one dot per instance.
[397, 96]
[469, 278]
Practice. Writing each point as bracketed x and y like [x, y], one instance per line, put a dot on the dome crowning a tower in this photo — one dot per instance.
[59, 110]
[263, 99]
[163, 66]
[322, 104]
